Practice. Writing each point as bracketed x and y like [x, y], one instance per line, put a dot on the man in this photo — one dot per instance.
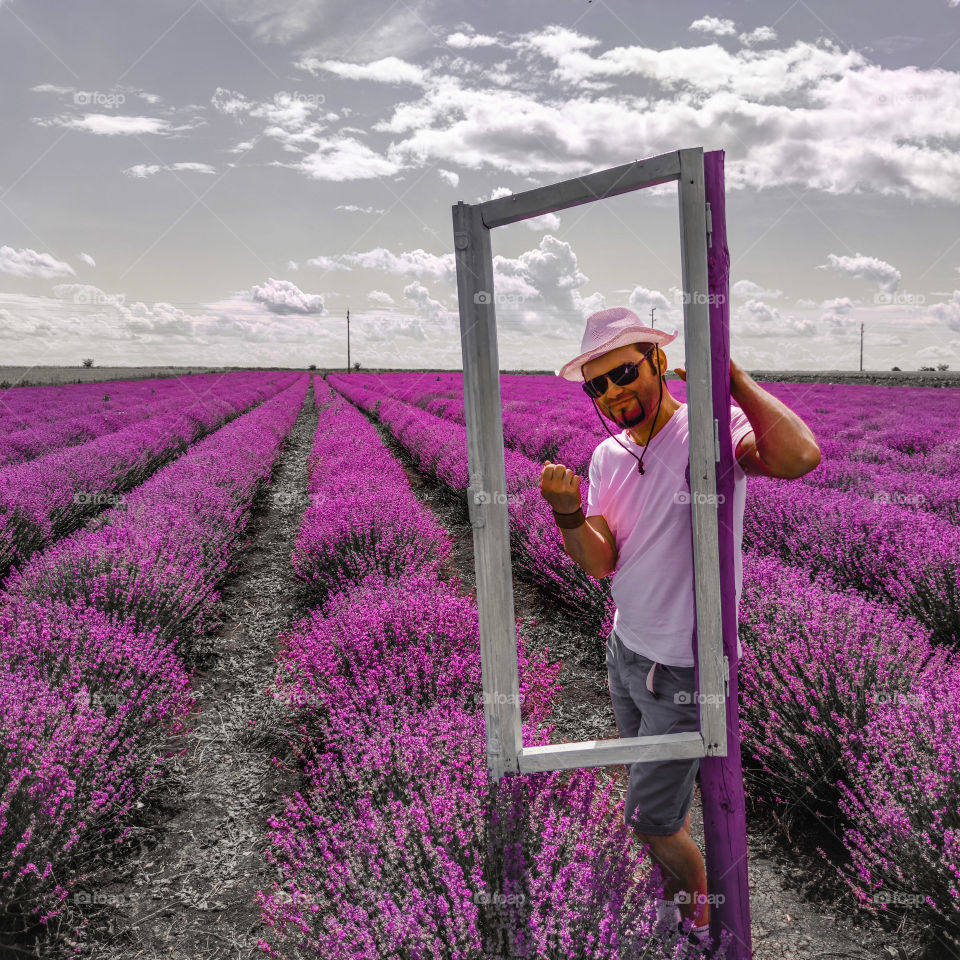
[638, 525]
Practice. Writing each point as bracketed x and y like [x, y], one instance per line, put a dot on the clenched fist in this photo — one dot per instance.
[560, 487]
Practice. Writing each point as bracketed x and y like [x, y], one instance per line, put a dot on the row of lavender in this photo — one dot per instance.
[45, 499]
[878, 546]
[398, 845]
[831, 683]
[902, 429]
[96, 640]
[24, 407]
[63, 421]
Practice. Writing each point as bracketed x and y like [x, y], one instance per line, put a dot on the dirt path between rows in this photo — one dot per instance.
[183, 887]
[796, 910]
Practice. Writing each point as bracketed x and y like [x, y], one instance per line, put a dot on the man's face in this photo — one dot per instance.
[634, 403]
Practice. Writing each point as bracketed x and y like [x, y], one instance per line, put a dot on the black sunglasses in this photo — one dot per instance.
[621, 376]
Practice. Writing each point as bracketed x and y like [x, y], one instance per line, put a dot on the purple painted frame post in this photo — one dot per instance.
[721, 778]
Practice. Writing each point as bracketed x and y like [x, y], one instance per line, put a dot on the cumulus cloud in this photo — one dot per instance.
[284, 297]
[642, 300]
[141, 171]
[886, 276]
[29, 263]
[714, 26]
[381, 296]
[105, 124]
[387, 70]
[948, 312]
[753, 291]
[757, 36]
[327, 263]
[88, 260]
[449, 177]
[417, 263]
[425, 305]
[462, 41]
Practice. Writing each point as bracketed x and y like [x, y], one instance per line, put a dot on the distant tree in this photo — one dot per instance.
[312, 366]
[894, 368]
[943, 366]
[927, 368]
[88, 362]
[356, 364]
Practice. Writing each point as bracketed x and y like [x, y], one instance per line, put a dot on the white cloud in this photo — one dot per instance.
[449, 177]
[105, 124]
[141, 171]
[714, 26]
[293, 265]
[340, 159]
[88, 260]
[750, 290]
[381, 296]
[29, 263]
[462, 41]
[326, 263]
[886, 276]
[353, 208]
[418, 263]
[426, 306]
[387, 70]
[948, 312]
[758, 35]
[284, 297]
[642, 300]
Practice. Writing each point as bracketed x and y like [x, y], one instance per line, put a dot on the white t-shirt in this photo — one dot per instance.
[652, 583]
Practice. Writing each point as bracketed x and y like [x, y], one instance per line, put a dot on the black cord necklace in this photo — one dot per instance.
[639, 459]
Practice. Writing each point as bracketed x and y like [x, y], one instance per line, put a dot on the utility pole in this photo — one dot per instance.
[861, 346]
[348, 341]
[651, 315]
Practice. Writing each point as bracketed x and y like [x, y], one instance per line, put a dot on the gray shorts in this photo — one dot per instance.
[660, 792]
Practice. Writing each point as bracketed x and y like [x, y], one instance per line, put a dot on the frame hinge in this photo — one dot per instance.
[716, 439]
[709, 226]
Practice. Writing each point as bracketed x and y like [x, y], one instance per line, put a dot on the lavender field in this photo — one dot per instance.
[241, 696]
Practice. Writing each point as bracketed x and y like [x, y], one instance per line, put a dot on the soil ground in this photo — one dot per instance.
[184, 884]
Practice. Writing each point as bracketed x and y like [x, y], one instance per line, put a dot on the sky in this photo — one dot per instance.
[219, 181]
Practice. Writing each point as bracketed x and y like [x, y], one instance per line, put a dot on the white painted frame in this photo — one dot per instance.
[472, 224]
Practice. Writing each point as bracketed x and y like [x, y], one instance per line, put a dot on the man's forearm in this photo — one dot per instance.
[784, 442]
[588, 548]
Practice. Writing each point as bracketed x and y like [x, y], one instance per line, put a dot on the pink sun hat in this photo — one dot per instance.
[607, 330]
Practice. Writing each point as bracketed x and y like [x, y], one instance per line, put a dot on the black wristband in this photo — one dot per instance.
[570, 521]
